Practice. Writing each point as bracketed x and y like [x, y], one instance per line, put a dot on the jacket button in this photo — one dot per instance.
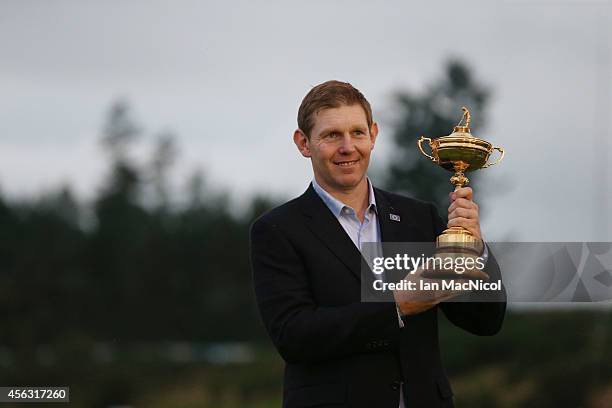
[395, 385]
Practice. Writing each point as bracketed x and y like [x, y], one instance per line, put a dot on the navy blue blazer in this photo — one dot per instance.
[339, 351]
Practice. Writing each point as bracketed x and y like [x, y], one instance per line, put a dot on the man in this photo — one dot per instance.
[305, 254]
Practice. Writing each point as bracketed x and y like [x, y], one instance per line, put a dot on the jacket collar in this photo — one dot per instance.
[336, 206]
[322, 222]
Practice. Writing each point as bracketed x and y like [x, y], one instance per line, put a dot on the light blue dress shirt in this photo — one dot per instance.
[368, 231]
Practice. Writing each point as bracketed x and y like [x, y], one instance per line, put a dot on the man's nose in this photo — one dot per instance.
[347, 145]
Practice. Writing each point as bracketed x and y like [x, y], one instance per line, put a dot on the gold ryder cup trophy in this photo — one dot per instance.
[459, 152]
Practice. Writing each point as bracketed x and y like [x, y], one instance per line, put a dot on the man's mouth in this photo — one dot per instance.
[346, 163]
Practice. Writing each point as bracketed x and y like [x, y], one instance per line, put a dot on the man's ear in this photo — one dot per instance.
[302, 142]
[373, 133]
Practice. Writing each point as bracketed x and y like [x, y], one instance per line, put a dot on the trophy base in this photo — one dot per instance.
[453, 244]
[444, 274]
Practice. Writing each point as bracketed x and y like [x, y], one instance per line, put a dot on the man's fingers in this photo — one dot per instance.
[462, 222]
[471, 214]
[462, 203]
[463, 212]
[463, 192]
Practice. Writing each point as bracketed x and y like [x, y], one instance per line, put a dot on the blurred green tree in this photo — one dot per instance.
[118, 242]
[119, 131]
[163, 159]
[432, 113]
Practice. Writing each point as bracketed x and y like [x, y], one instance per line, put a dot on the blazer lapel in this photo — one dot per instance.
[389, 218]
[326, 227]
[395, 226]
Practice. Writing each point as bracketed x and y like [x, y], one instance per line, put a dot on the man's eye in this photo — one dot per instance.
[332, 135]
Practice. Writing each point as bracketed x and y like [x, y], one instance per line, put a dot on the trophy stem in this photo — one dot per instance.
[459, 180]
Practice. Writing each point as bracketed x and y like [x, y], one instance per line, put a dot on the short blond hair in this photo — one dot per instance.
[328, 95]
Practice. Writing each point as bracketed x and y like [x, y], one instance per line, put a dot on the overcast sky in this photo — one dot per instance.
[227, 78]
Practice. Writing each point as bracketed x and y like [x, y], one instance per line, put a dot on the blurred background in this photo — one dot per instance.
[139, 140]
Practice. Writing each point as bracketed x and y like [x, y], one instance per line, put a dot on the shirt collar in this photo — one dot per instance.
[336, 205]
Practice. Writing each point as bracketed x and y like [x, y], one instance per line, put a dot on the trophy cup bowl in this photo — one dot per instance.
[459, 152]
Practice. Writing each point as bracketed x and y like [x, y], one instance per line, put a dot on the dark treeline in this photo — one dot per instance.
[124, 268]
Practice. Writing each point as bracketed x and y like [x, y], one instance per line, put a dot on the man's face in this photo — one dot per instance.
[339, 146]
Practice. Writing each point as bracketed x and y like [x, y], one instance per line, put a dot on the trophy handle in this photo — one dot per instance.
[499, 159]
[420, 144]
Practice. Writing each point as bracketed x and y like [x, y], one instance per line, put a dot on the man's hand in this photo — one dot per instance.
[463, 212]
[411, 302]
